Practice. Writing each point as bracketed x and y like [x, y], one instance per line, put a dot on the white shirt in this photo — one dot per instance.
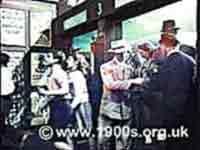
[58, 78]
[80, 88]
[7, 84]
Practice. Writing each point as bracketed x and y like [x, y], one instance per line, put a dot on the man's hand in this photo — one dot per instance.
[137, 81]
[42, 91]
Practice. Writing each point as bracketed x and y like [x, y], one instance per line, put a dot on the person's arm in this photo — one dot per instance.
[62, 90]
[112, 84]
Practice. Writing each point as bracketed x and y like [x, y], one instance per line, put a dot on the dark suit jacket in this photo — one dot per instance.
[167, 100]
[175, 82]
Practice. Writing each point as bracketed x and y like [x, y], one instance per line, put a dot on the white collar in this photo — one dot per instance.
[177, 50]
[174, 50]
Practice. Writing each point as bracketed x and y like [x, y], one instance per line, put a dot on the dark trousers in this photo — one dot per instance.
[61, 113]
[6, 104]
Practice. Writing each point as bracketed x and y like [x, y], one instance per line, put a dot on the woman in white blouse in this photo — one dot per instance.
[79, 91]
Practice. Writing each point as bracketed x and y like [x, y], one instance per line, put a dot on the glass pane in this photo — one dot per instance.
[83, 41]
[148, 26]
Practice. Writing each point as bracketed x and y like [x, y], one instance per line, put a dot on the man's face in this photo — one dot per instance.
[144, 54]
[163, 47]
[71, 62]
[77, 53]
[119, 57]
[126, 55]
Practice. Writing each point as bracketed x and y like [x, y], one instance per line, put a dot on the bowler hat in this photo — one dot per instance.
[169, 26]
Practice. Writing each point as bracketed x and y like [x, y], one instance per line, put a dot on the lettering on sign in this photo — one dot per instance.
[12, 26]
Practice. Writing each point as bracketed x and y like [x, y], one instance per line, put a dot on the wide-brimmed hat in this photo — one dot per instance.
[56, 58]
[169, 26]
[117, 50]
[75, 49]
[119, 46]
[50, 60]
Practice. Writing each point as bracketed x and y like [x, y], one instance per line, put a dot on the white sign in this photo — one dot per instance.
[74, 3]
[53, 0]
[119, 3]
[12, 26]
[75, 20]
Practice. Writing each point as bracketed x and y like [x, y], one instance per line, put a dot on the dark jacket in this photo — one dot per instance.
[167, 101]
[175, 84]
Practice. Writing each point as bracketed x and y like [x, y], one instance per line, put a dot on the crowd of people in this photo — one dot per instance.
[135, 95]
[166, 100]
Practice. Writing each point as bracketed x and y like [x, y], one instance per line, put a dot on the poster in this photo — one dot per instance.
[41, 18]
[12, 27]
[39, 69]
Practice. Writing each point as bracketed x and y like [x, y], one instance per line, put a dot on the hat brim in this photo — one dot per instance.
[77, 49]
[175, 29]
[116, 51]
[51, 62]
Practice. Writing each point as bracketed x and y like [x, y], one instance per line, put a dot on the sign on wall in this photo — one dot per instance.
[12, 26]
[100, 8]
[119, 3]
[75, 20]
[39, 68]
[41, 18]
[53, 1]
[74, 3]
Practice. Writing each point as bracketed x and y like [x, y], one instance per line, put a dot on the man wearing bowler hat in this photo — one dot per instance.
[174, 83]
[115, 110]
[169, 27]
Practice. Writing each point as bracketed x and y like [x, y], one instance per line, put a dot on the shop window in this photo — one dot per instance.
[148, 26]
[83, 41]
